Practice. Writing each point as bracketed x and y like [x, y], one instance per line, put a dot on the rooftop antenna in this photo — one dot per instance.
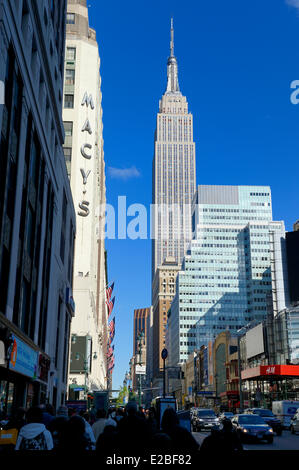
[171, 39]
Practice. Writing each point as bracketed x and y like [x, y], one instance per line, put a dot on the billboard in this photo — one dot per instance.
[255, 341]
[23, 359]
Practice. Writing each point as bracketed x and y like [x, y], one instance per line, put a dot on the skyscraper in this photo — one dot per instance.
[173, 171]
[83, 148]
[226, 280]
[163, 294]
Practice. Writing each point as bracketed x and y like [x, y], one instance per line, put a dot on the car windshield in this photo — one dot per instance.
[206, 413]
[264, 412]
[251, 419]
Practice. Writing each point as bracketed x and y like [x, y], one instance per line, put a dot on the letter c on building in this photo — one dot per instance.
[83, 153]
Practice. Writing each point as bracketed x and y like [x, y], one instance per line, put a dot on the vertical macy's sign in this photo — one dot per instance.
[85, 149]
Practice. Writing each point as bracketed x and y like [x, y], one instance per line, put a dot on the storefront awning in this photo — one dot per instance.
[277, 370]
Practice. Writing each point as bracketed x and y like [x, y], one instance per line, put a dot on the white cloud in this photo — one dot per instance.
[124, 173]
[293, 3]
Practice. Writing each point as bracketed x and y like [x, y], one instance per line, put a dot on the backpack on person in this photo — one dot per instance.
[34, 443]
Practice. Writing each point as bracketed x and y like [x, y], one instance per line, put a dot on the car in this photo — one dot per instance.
[252, 427]
[205, 419]
[269, 418]
[226, 415]
[294, 427]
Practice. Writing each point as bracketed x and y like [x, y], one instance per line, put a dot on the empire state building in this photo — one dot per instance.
[173, 171]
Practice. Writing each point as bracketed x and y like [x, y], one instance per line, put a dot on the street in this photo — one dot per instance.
[286, 441]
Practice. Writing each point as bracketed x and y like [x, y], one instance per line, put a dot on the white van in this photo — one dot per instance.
[285, 410]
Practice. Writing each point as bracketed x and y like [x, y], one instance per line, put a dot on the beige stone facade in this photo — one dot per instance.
[163, 294]
[82, 116]
[174, 171]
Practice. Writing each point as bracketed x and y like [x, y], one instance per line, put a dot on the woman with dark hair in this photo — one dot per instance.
[75, 438]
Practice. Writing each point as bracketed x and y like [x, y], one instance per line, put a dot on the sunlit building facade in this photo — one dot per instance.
[173, 171]
[225, 281]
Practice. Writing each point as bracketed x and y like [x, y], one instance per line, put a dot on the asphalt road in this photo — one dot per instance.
[287, 441]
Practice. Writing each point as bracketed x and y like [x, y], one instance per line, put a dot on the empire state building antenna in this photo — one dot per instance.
[171, 38]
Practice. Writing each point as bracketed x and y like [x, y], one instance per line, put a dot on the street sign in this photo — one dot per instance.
[140, 369]
[164, 353]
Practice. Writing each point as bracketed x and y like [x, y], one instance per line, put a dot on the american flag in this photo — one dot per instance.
[111, 328]
[110, 351]
[109, 291]
[111, 363]
[110, 304]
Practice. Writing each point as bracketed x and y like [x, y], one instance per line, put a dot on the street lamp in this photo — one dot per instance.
[140, 342]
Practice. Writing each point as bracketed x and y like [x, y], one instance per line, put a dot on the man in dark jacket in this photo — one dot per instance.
[182, 439]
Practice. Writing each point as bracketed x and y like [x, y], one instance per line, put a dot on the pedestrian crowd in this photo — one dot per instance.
[128, 430]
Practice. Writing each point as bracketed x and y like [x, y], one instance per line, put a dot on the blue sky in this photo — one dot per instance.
[236, 60]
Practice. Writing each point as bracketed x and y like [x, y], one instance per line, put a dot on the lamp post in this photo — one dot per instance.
[140, 340]
[130, 378]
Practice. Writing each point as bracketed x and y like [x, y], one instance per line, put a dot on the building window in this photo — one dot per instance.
[68, 101]
[68, 128]
[68, 159]
[70, 18]
[69, 76]
[62, 237]
[67, 154]
[70, 53]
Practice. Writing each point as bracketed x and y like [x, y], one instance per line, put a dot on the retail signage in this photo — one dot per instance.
[140, 369]
[84, 204]
[277, 369]
[78, 405]
[23, 359]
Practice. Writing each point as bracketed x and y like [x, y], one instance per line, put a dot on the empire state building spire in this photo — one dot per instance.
[172, 67]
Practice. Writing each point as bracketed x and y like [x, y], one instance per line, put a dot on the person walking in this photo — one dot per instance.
[100, 423]
[181, 438]
[75, 439]
[88, 429]
[11, 429]
[58, 426]
[48, 413]
[225, 440]
[134, 433]
[34, 435]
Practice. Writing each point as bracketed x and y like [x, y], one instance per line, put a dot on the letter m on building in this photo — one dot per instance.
[88, 100]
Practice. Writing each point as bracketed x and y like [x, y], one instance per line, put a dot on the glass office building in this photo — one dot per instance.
[225, 281]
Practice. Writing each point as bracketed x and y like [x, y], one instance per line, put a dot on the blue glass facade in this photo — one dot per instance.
[225, 280]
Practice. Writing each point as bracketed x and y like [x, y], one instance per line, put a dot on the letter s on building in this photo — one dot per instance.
[85, 209]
